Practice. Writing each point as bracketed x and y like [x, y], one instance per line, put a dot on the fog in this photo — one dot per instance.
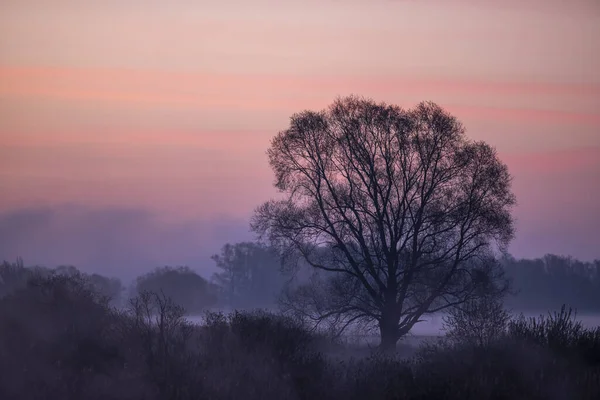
[119, 242]
[128, 243]
[431, 326]
[125, 242]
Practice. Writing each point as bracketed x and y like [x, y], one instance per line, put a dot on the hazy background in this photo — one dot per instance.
[133, 133]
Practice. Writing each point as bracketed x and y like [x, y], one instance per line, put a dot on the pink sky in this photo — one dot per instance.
[168, 107]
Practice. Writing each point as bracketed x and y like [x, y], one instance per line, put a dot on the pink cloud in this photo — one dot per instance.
[142, 88]
[149, 138]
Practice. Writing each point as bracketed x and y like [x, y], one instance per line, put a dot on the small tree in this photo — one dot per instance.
[164, 334]
[477, 322]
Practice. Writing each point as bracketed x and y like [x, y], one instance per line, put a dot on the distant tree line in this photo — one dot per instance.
[15, 276]
[548, 282]
[250, 275]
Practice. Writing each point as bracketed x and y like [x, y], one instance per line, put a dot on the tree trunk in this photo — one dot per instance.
[388, 329]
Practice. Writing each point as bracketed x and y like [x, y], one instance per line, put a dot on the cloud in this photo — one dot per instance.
[139, 88]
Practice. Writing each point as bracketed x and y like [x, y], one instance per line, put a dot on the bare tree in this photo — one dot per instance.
[400, 204]
[164, 334]
[477, 322]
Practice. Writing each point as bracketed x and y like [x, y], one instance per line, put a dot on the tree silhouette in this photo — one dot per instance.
[184, 286]
[12, 276]
[249, 274]
[551, 281]
[402, 210]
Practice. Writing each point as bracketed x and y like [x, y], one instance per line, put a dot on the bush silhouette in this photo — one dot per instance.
[61, 339]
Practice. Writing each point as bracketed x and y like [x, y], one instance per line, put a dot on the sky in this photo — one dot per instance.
[133, 133]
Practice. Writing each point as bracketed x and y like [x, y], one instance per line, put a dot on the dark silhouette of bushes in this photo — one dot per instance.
[561, 333]
[477, 322]
[265, 354]
[59, 338]
[550, 357]
[13, 276]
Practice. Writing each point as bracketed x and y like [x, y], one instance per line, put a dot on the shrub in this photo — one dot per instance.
[261, 354]
[61, 340]
[478, 322]
[561, 333]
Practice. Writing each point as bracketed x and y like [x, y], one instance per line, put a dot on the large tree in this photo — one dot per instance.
[403, 213]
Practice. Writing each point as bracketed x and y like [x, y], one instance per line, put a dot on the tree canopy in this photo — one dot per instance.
[403, 212]
[184, 286]
[14, 276]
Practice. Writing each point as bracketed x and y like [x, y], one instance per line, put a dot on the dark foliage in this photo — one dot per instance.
[14, 276]
[61, 339]
[561, 333]
[181, 284]
[547, 282]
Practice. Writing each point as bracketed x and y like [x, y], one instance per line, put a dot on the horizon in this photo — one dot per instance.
[133, 135]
